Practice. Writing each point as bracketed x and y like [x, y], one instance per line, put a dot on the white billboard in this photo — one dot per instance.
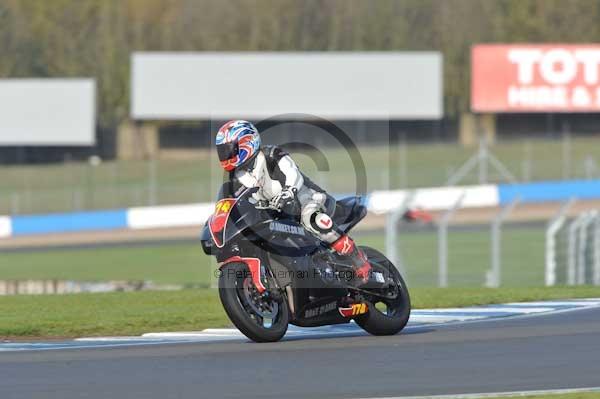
[338, 85]
[47, 112]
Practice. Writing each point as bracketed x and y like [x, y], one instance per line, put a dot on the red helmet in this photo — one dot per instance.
[238, 142]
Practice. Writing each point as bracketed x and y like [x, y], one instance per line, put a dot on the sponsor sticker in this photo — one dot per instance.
[354, 310]
[286, 228]
[320, 309]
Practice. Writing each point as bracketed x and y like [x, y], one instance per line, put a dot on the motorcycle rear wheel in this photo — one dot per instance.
[393, 318]
[260, 318]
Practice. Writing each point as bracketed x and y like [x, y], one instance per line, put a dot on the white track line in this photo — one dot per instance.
[489, 309]
[498, 394]
[586, 302]
[419, 319]
[209, 332]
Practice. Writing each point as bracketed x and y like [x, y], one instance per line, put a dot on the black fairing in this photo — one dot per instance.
[348, 212]
[295, 257]
[255, 225]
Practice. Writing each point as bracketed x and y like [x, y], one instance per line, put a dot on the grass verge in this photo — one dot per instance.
[523, 265]
[61, 316]
[163, 264]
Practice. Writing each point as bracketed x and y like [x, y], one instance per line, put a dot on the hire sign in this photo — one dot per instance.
[535, 78]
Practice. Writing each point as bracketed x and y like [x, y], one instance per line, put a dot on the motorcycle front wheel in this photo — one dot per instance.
[260, 317]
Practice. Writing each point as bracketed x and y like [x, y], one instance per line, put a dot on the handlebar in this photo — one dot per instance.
[267, 205]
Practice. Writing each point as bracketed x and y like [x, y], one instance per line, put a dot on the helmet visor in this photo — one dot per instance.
[227, 151]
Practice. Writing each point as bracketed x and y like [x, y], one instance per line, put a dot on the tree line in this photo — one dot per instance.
[69, 38]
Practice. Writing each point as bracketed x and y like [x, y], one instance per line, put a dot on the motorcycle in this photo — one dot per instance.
[274, 273]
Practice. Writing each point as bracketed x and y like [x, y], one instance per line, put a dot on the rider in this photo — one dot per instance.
[279, 181]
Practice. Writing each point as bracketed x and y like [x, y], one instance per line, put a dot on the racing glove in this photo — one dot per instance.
[286, 197]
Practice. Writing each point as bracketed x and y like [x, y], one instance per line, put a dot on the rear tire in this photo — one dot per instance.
[237, 291]
[376, 322]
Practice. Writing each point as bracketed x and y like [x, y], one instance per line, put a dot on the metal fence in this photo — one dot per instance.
[75, 186]
[573, 248]
[499, 251]
[104, 197]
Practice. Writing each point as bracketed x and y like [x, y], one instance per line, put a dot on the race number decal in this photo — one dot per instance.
[218, 220]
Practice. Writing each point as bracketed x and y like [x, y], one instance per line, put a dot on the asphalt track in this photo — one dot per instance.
[554, 351]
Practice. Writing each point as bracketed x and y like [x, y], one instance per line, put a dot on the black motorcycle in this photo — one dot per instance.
[273, 272]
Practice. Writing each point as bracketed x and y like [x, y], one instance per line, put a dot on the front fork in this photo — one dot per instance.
[258, 272]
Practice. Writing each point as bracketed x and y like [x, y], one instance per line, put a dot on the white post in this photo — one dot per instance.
[152, 184]
[596, 274]
[526, 163]
[494, 274]
[443, 242]
[403, 164]
[15, 201]
[77, 200]
[554, 225]
[588, 166]
[572, 250]
[391, 232]
[566, 155]
[483, 161]
[583, 245]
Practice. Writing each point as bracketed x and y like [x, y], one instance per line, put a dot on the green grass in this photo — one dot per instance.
[134, 313]
[469, 296]
[139, 312]
[52, 188]
[168, 263]
[469, 256]
[469, 259]
[107, 314]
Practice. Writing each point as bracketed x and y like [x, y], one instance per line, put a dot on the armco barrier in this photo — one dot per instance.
[549, 191]
[5, 226]
[379, 202]
[435, 199]
[69, 222]
[168, 216]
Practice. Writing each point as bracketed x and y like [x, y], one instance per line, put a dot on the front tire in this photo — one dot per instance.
[386, 317]
[262, 318]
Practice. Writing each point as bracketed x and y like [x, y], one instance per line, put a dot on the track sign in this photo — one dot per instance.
[535, 78]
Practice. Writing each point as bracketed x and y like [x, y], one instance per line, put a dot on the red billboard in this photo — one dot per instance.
[535, 78]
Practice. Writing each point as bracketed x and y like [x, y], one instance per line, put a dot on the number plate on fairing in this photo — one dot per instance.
[218, 220]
